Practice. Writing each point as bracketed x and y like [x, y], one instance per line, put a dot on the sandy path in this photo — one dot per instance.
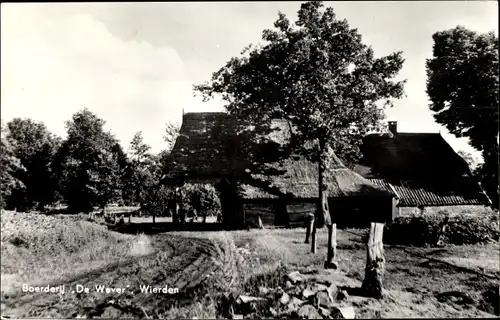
[178, 262]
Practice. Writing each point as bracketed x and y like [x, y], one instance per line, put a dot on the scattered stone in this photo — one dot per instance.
[248, 299]
[263, 291]
[307, 293]
[111, 313]
[273, 312]
[295, 277]
[295, 303]
[323, 299]
[285, 298]
[288, 285]
[332, 291]
[343, 312]
[321, 287]
[455, 297]
[237, 316]
[342, 295]
[308, 312]
[325, 313]
[322, 281]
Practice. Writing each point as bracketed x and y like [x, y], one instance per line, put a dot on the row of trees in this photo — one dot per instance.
[88, 169]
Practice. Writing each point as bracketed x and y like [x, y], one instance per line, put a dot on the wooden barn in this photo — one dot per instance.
[211, 149]
[422, 170]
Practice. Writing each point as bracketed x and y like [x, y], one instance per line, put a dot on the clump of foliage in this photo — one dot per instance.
[27, 152]
[424, 230]
[463, 89]
[199, 200]
[89, 164]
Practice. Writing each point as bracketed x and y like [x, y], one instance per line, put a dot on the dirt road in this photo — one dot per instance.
[180, 263]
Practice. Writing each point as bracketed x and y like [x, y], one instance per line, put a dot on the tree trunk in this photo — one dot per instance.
[375, 262]
[309, 226]
[154, 218]
[130, 218]
[313, 236]
[175, 212]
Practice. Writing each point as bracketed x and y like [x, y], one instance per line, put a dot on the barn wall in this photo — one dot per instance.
[254, 210]
[469, 209]
[353, 212]
[277, 213]
[298, 212]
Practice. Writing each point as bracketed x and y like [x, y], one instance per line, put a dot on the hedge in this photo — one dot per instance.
[460, 230]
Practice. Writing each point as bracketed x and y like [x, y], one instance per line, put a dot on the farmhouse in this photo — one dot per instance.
[211, 148]
[422, 170]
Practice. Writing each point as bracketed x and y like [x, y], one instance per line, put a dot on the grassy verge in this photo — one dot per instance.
[415, 277]
[38, 248]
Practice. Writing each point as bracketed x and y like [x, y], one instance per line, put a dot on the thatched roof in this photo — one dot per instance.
[209, 147]
[203, 148]
[301, 181]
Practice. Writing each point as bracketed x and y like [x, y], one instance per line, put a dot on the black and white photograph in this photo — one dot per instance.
[250, 160]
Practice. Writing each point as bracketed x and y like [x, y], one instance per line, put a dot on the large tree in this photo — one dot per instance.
[463, 89]
[89, 164]
[11, 167]
[140, 169]
[34, 146]
[320, 76]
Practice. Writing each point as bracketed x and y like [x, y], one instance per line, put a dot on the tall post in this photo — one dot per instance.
[314, 248]
[175, 208]
[375, 262]
[309, 226]
[331, 258]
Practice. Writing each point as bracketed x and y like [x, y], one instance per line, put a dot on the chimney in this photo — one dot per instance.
[393, 127]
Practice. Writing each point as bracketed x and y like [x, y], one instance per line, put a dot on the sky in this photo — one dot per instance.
[134, 64]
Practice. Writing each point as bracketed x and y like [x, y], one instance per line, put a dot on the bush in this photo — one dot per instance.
[199, 200]
[424, 230]
[157, 201]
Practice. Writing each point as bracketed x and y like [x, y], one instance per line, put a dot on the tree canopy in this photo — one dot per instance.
[34, 146]
[463, 89]
[11, 166]
[88, 163]
[317, 74]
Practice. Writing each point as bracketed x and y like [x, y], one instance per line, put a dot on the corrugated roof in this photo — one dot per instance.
[413, 195]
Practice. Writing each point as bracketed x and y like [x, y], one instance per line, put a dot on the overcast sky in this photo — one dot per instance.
[134, 64]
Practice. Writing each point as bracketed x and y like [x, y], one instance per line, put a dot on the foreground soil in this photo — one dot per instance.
[181, 263]
[205, 267]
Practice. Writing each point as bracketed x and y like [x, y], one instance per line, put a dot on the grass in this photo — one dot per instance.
[38, 248]
[413, 278]
[210, 219]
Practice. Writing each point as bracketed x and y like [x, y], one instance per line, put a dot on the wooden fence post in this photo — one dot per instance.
[314, 248]
[442, 232]
[309, 226]
[375, 262]
[331, 260]
[261, 225]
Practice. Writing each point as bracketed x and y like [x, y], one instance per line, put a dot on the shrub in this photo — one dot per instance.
[157, 201]
[424, 230]
[199, 200]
